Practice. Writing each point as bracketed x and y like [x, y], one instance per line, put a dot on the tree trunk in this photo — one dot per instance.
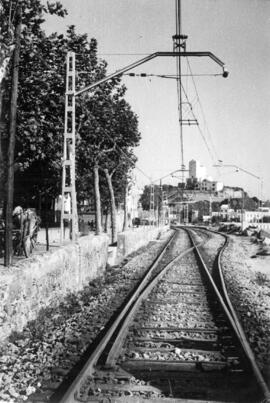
[112, 202]
[106, 220]
[11, 147]
[125, 223]
[47, 223]
[97, 201]
[5, 57]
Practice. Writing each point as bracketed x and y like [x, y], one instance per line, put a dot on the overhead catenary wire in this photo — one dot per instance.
[172, 76]
[202, 111]
[191, 107]
[200, 130]
[128, 157]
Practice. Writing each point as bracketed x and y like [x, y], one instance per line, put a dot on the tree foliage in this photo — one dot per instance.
[107, 128]
[33, 86]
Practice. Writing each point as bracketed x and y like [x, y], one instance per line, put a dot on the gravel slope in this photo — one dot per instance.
[248, 283]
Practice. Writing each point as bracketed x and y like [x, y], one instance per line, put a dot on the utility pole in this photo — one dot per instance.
[152, 202]
[177, 47]
[161, 207]
[71, 95]
[12, 139]
[69, 202]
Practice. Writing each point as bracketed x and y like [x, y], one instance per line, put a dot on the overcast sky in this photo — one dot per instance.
[236, 109]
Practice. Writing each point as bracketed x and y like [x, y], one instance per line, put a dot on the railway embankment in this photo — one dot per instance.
[37, 358]
[45, 279]
[246, 267]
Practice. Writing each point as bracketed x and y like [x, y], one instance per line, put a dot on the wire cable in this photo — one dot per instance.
[202, 111]
[128, 158]
[172, 76]
[200, 130]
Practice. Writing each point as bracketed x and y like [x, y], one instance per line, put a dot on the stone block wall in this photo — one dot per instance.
[129, 241]
[43, 280]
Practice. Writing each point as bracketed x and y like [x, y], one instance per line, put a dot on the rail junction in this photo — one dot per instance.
[176, 338]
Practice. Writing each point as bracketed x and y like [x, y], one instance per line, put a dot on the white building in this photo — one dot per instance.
[255, 216]
[133, 202]
[230, 192]
[209, 186]
[196, 170]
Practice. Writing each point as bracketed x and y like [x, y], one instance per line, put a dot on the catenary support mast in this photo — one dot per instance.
[69, 203]
[152, 202]
[68, 172]
[178, 47]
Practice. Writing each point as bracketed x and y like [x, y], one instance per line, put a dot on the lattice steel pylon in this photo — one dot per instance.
[69, 202]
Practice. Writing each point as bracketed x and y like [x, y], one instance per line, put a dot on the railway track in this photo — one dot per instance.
[176, 339]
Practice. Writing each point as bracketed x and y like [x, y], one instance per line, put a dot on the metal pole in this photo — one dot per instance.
[153, 56]
[71, 95]
[161, 220]
[177, 46]
[152, 202]
[68, 170]
[12, 139]
[242, 211]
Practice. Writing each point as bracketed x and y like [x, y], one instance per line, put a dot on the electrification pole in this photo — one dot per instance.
[69, 202]
[152, 202]
[68, 172]
[179, 44]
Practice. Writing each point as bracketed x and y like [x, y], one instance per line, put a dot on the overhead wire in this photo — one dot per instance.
[192, 105]
[172, 76]
[202, 111]
[199, 128]
[128, 158]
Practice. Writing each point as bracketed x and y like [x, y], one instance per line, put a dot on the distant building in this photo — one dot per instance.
[196, 170]
[198, 181]
[209, 186]
[255, 216]
[133, 204]
[232, 192]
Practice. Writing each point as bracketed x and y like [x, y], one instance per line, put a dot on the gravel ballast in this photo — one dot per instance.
[247, 277]
[36, 360]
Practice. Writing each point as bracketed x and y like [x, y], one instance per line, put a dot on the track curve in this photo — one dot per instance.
[176, 339]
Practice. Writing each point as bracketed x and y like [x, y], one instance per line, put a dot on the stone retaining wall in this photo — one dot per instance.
[129, 241]
[42, 280]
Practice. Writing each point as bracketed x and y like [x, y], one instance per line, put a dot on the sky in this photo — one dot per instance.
[233, 113]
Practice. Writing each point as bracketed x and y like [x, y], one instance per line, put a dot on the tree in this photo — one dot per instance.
[101, 115]
[31, 87]
[109, 130]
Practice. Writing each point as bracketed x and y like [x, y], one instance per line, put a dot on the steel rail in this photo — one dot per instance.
[69, 396]
[233, 318]
[246, 345]
[111, 359]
